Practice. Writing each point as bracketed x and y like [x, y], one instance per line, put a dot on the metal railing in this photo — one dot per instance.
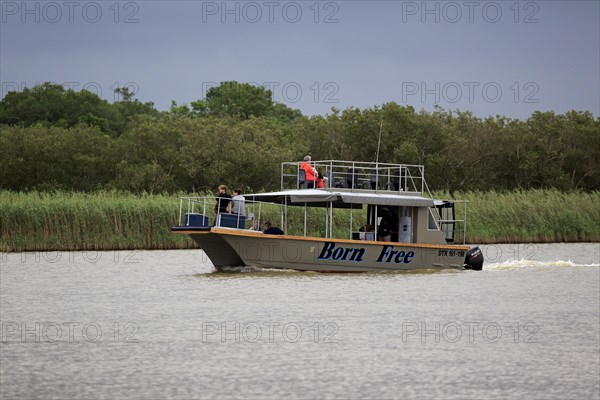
[201, 212]
[358, 176]
[455, 229]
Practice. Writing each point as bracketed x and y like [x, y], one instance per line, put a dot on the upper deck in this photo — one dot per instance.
[404, 179]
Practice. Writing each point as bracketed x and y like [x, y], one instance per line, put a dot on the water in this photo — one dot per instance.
[162, 324]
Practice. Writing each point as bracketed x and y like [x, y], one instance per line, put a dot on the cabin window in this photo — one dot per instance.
[432, 220]
[447, 220]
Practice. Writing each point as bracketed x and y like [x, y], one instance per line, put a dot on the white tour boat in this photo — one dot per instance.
[336, 228]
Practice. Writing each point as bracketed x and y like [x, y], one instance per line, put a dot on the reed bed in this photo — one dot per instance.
[535, 216]
[78, 221]
[114, 220]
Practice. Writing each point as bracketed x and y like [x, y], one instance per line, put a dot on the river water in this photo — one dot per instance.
[163, 324]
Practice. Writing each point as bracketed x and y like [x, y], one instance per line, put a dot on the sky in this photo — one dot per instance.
[508, 58]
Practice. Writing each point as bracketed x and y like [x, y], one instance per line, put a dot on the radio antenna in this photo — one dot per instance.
[378, 145]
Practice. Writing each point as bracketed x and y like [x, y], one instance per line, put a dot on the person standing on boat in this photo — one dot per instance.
[223, 203]
[272, 230]
[238, 203]
[384, 233]
[311, 172]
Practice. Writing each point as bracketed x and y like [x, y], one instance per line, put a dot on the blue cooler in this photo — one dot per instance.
[196, 220]
[231, 221]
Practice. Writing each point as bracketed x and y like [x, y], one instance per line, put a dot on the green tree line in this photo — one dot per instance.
[57, 139]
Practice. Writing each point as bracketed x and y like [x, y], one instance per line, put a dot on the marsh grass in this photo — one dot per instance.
[536, 216]
[115, 220]
[78, 221]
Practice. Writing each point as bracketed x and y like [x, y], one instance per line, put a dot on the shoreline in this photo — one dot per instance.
[105, 221]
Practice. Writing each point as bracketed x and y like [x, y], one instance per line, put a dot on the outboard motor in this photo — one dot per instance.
[474, 259]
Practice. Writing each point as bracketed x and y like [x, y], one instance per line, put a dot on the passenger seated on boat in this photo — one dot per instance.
[309, 171]
[352, 178]
[272, 230]
[319, 184]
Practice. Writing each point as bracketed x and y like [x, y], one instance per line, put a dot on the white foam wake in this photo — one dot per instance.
[523, 263]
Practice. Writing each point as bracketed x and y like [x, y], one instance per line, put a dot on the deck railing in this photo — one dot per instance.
[200, 212]
[454, 226]
[358, 176]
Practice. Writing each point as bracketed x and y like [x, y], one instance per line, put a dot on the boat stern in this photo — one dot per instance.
[474, 259]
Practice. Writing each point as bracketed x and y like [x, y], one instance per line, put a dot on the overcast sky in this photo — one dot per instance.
[492, 58]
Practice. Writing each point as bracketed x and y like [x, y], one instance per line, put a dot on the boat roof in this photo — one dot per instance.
[340, 198]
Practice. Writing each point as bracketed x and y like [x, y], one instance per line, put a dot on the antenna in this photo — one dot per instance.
[377, 159]
[378, 144]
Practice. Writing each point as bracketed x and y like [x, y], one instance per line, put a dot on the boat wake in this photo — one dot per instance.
[252, 271]
[239, 269]
[524, 263]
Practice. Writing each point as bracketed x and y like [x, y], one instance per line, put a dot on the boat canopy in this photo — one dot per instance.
[340, 199]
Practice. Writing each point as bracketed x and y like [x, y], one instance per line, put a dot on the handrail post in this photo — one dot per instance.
[465, 224]
[180, 209]
[304, 219]
[351, 209]
[188, 211]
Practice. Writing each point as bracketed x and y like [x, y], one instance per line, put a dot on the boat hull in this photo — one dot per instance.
[232, 247]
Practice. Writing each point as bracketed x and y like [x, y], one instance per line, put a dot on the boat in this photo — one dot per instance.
[336, 226]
